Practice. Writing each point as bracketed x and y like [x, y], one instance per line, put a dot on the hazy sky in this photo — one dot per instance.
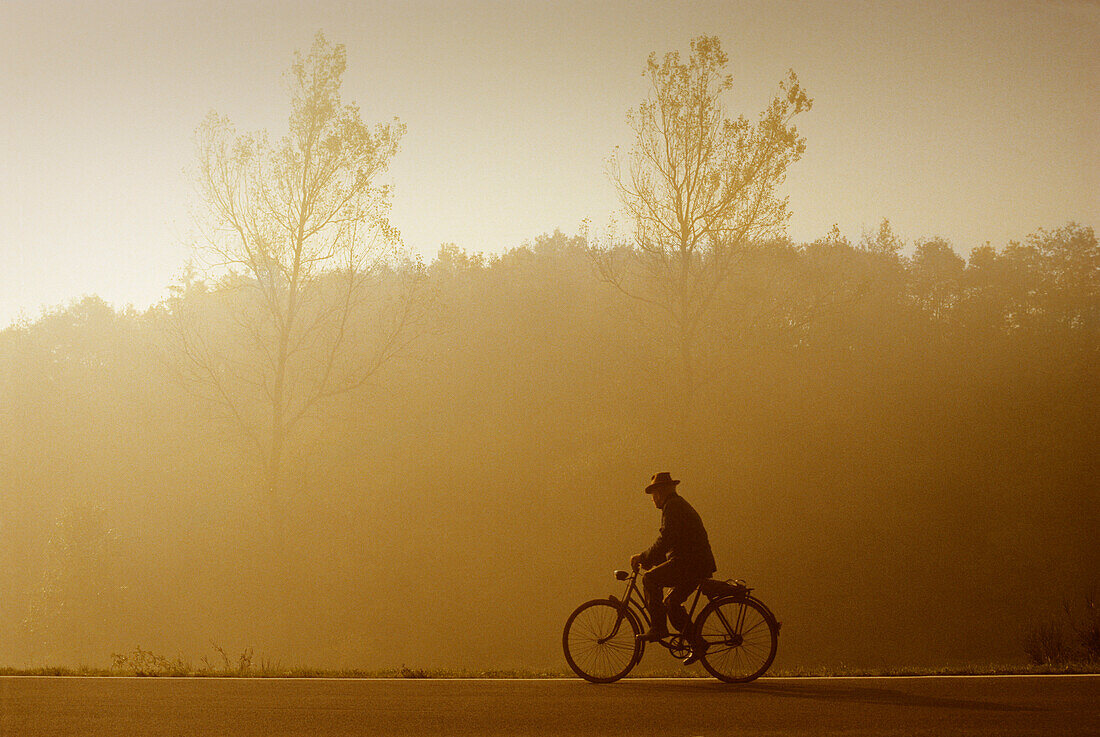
[975, 121]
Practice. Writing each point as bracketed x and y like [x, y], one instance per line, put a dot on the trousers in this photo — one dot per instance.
[682, 581]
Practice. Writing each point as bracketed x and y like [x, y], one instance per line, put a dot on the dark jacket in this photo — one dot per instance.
[682, 538]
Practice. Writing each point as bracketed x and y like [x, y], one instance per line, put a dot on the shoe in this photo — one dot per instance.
[653, 635]
[698, 650]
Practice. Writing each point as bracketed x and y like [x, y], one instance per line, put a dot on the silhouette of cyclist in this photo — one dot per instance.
[679, 560]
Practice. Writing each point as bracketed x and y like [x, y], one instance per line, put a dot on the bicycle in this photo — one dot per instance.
[740, 632]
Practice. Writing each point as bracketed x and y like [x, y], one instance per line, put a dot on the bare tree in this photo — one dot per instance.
[700, 189]
[305, 294]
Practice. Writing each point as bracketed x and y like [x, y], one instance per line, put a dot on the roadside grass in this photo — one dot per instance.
[183, 669]
[969, 669]
[81, 670]
[179, 667]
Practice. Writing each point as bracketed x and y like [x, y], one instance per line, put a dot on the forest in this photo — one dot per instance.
[908, 476]
[348, 457]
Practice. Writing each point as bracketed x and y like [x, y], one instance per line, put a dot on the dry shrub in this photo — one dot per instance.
[1072, 636]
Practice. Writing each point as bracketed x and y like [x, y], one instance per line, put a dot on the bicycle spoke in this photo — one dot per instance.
[741, 641]
[600, 642]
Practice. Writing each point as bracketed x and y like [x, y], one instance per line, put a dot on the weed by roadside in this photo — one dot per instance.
[141, 662]
[1072, 636]
[147, 663]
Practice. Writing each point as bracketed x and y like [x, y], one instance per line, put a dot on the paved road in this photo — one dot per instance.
[1038, 705]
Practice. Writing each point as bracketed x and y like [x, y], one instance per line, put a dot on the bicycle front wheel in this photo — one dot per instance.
[601, 641]
[742, 637]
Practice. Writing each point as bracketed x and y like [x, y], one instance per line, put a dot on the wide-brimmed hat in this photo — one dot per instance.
[664, 478]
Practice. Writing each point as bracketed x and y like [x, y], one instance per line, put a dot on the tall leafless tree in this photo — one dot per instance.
[305, 293]
[699, 190]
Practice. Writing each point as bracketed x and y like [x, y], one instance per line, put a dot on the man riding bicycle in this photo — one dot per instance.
[679, 559]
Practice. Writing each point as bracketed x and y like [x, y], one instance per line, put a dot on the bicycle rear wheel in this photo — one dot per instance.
[742, 637]
[601, 641]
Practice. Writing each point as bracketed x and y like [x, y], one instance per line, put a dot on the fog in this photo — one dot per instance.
[323, 448]
[902, 485]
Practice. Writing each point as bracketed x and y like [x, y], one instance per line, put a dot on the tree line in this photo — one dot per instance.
[928, 437]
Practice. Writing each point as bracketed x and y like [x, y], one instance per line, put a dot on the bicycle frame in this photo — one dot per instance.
[634, 602]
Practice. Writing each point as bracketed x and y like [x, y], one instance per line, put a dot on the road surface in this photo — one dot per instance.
[1032, 705]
